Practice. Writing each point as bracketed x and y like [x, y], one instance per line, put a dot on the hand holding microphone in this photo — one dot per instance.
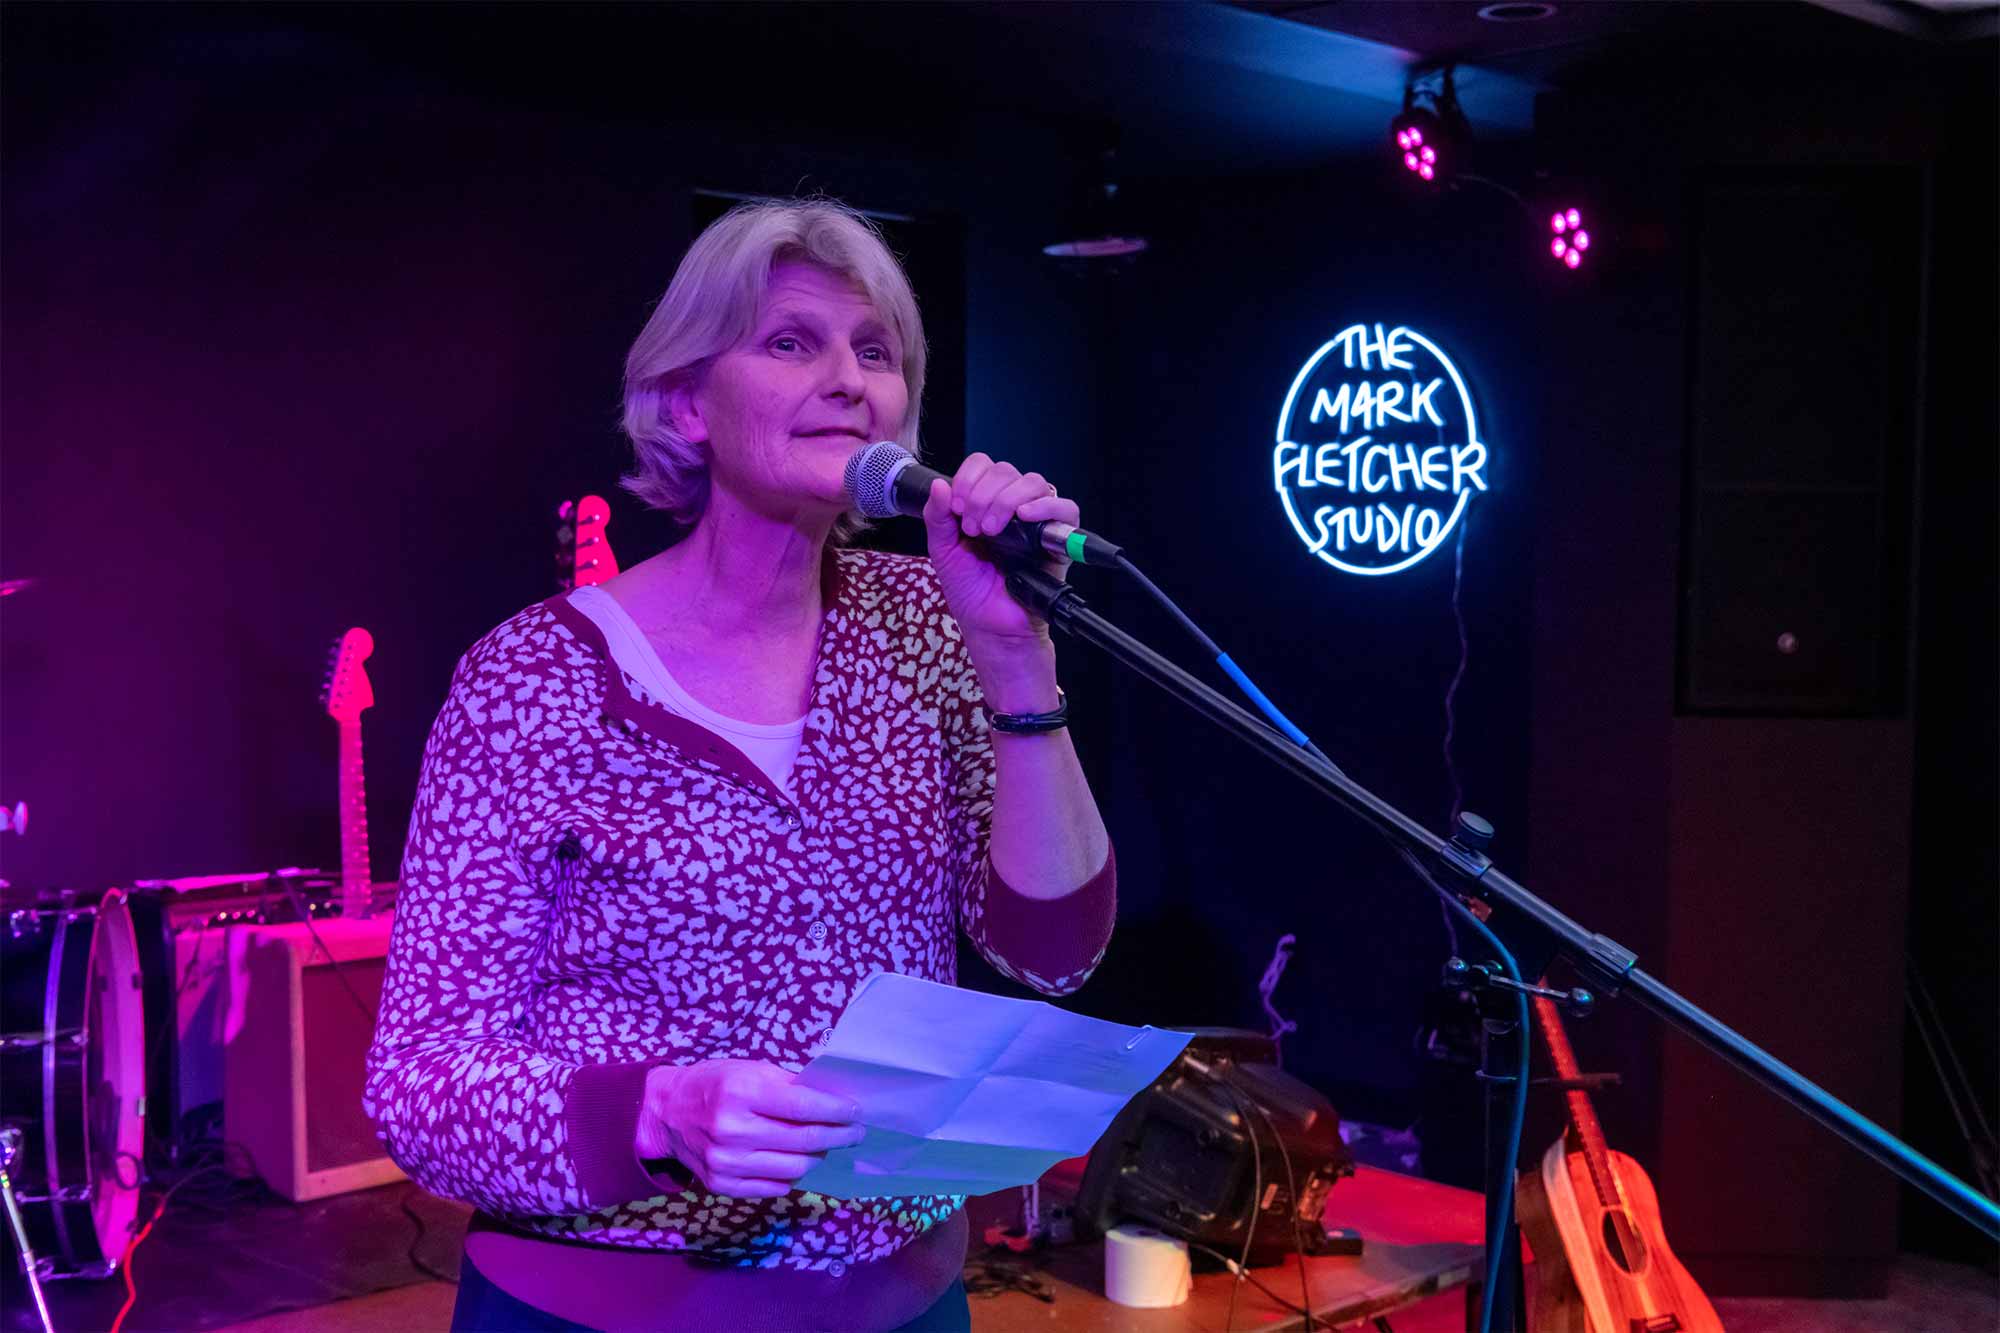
[883, 480]
[986, 518]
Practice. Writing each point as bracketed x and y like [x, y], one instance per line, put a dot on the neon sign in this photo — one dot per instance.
[1378, 451]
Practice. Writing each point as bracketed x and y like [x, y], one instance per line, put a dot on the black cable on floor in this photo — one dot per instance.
[423, 1228]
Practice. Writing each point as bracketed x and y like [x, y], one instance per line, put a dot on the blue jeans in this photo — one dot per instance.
[484, 1308]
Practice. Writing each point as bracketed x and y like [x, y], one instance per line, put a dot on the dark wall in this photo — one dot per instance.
[1955, 878]
[298, 338]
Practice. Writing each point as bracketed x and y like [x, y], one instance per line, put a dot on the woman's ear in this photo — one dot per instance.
[684, 408]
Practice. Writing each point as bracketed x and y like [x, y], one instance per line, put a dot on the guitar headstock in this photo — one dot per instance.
[583, 549]
[347, 691]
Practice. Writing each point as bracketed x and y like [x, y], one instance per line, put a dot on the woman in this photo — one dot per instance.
[666, 826]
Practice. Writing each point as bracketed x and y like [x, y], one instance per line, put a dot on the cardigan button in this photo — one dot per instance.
[817, 931]
[837, 1268]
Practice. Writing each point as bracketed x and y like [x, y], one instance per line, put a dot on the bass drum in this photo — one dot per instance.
[73, 1079]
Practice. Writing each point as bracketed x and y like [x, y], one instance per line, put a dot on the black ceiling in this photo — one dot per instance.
[1193, 88]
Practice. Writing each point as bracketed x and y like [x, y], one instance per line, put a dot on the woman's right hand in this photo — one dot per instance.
[744, 1127]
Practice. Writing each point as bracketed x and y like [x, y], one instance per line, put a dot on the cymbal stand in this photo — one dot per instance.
[10, 1147]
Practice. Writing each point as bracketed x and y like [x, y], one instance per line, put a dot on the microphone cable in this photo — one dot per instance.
[1229, 668]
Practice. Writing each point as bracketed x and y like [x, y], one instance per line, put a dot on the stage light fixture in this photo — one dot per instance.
[1430, 133]
[1571, 239]
[1418, 136]
[1100, 226]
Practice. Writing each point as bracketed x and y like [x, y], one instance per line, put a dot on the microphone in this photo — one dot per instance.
[883, 480]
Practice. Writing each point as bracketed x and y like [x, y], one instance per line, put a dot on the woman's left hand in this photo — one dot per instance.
[1009, 647]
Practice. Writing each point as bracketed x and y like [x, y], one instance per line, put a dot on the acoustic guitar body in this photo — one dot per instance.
[1627, 1278]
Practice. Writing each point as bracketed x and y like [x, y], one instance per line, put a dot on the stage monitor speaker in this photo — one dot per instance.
[295, 1051]
[1803, 423]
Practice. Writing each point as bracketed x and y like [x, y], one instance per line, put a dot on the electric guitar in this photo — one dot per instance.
[1601, 1254]
[348, 693]
[583, 552]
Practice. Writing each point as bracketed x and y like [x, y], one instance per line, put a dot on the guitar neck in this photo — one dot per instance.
[356, 883]
[1582, 1115]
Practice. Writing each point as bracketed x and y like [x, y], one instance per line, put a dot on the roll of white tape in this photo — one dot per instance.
[1144, 1268]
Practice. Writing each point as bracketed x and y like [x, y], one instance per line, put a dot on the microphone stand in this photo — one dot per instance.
[1532, 929]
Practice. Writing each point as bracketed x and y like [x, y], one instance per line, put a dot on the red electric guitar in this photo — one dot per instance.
[1593, 1221]
[583, 551]
[347, 694]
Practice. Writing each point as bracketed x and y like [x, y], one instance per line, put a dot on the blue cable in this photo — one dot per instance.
[1264, 705]
[1209, 646]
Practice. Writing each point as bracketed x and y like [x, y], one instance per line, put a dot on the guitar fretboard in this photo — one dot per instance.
[356, 883]
[1582, 1115]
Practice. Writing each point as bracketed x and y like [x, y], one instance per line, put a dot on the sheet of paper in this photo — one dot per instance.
[964, 1093]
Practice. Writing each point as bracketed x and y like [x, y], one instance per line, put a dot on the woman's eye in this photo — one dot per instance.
[785, 342]
[879, 355]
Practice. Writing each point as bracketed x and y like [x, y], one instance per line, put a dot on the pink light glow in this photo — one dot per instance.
[1403, 139]
[1575, 218]
[1425, 171]
[1573, 258]
[1410, 161]
[1416, 135]
[1583, 240]
[1556, 247]
[1557, 222]
[1430, 154]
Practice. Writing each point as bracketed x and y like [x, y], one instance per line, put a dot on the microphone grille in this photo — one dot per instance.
[871, 478]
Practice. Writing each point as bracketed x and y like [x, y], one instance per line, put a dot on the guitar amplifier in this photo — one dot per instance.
[295, 1041]
[183, 927]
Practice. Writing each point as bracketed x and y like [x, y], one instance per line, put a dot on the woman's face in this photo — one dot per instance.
[820, 376]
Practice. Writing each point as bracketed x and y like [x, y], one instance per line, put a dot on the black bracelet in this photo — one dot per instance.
[1031, 724]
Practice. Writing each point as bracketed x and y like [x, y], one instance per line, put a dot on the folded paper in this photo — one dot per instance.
[965, 1093]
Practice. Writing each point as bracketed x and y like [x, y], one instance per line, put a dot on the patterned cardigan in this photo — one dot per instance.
[593, 885]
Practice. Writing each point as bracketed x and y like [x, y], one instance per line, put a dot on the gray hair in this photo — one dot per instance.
[713, 304]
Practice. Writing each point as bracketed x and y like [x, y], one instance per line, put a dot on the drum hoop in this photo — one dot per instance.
[51, 1158]
[106, 1204]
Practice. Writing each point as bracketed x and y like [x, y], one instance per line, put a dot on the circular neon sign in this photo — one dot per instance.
[1378, 450]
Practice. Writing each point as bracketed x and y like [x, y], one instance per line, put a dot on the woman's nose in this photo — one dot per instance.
[843, 377]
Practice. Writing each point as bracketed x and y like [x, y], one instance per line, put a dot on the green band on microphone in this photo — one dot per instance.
[1073, 545]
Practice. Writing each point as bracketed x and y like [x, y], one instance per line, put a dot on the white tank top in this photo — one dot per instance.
[772, 746]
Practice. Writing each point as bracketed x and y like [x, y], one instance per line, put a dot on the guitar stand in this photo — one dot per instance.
[1493, 991]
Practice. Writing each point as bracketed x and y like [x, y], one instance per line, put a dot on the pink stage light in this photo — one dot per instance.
[1568, 223]
[1424, 145]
